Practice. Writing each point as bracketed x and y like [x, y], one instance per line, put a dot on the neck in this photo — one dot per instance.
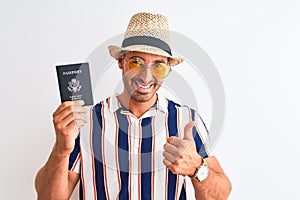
[135, 107]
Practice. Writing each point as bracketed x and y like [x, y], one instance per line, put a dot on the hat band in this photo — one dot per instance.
[146, 40]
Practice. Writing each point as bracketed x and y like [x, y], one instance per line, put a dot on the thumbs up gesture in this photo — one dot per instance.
[180, 155]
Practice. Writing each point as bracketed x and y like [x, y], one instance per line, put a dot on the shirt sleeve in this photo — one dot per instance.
[75, 157]
[201, 135]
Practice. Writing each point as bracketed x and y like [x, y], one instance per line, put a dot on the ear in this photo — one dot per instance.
[121, 62]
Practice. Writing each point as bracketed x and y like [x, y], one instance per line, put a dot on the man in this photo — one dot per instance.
[137, 144]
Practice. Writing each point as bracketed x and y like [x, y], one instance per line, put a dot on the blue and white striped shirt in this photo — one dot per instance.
[119, 156]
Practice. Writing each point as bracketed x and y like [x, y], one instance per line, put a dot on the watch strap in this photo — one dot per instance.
[195, 176]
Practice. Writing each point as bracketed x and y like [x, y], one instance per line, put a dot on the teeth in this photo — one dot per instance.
[144, 86]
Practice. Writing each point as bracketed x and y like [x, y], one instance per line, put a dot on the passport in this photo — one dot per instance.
[75, 83]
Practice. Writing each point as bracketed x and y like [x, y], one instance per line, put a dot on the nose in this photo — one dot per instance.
[146, 74]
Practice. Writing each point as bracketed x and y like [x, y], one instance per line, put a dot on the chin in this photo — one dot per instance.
[138, 97]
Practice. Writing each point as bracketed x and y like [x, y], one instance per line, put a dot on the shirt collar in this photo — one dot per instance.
[161, 103]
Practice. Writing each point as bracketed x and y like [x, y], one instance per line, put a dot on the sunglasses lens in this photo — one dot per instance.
[136, 65]
[160, 70]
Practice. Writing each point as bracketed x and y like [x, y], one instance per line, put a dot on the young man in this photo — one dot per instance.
[137, 144]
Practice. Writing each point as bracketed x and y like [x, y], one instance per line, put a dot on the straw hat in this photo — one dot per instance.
[149, 33]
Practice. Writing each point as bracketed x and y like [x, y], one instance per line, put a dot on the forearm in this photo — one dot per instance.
[216, 185]
[52, 180]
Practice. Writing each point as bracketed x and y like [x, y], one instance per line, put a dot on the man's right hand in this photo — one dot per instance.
[67, 120]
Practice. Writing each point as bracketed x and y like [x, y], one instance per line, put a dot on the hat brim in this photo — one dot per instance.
[116, 52]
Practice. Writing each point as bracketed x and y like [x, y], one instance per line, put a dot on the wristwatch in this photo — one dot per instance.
[201, 172]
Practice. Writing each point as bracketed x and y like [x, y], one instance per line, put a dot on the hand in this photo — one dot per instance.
[67, 120]
[180, 155]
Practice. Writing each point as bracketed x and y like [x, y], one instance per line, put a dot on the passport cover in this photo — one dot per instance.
[75, 83]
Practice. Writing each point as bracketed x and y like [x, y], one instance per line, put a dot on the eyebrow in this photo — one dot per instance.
[156, 61]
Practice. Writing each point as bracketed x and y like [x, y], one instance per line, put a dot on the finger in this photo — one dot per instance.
[170, 166]
[67, 111]
[170, 157]
[67, 104]
[188, 130]
[75, 117]
[72, 117]
[67, 130]
[171, 149]
[80, 123]
[166, 162]
[73, 128]
[174, 141]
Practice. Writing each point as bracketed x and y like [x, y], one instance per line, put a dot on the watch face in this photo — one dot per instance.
[202, 173]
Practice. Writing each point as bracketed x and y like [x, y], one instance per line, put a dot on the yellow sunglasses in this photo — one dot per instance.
[138, 65]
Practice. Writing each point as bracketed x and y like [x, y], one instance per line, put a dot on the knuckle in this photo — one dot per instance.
[176, 162]
[177, 151]
[64, 104]
[59, 127]
[164, 154]
[78, 123]
[173, 169]
[165, 145]
[54, 120]
[73, 115]
[72, 126]
[179, 161]
[165, 161]
[179, 143]
[70, 109]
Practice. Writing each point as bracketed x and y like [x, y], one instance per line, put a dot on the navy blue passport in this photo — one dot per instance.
[75, 83]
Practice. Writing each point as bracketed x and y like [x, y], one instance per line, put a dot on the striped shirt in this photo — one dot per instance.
[119, 156]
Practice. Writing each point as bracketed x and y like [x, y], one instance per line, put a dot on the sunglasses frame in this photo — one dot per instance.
[152, 66]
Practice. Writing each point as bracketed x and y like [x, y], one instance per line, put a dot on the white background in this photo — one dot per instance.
[254, 45]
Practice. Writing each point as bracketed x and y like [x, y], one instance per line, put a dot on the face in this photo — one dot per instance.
[141, 86]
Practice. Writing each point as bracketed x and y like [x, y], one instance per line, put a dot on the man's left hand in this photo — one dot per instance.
[180, 155]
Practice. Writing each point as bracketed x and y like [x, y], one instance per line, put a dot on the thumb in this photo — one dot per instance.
[188, 130]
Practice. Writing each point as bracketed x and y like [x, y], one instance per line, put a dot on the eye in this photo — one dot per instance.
[135, 64]
[160, 66]
[137, 61]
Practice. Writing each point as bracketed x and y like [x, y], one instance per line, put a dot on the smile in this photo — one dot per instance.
[144, 86]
